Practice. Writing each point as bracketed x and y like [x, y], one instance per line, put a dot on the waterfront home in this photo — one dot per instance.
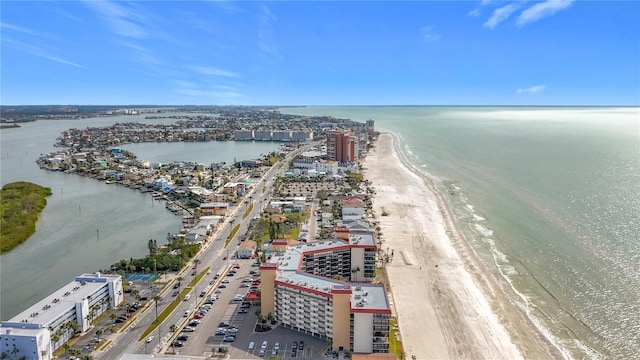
[352, 208]
[214, 208]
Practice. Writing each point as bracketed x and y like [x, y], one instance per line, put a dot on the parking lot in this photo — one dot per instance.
[230, 323]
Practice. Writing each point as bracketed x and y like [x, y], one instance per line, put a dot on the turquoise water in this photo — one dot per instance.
[550, 200]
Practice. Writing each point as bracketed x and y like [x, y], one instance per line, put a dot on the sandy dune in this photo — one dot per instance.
[448, 307]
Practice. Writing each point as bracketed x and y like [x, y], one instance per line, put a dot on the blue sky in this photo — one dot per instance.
[557, 52]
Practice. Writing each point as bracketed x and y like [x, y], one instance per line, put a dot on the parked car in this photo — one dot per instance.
[182, 338]
[276, 346]
[301, 345]
[252, 345]
[188, 329]
[220, 332]
[229, 339]
[150, 339]
[223, 324]
[178, 343]
[244, 285]
[264, 345]
[176, 285]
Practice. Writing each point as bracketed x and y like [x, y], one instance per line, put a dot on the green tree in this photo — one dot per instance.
[66, 348]
[156, 298]
[153, 247]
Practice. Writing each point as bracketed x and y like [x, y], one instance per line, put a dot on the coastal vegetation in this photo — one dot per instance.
[249, 210]
[276, 226]
[233, 233]
[20, 206]
[171, 257]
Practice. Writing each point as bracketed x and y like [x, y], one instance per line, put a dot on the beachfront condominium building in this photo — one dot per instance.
[342, 146]
[39, 330]
[311, 288]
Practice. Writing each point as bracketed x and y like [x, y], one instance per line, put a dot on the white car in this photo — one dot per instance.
[265, 344]
[150, 339]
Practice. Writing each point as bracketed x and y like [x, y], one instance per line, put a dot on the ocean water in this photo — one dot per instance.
[549, 198]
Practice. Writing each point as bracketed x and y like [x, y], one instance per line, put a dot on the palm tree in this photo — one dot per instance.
[66, 347]
[179, 279]
[55, 338]
[15, 352]
[354, 271]
[156, 298]
[196, 262]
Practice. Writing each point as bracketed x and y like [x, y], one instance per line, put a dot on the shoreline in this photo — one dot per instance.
[437, 276]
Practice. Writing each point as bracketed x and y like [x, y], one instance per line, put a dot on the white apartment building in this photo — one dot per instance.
[299, 287]
[243, 135]
[39, 330]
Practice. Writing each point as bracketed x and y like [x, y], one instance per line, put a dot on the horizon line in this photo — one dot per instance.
[335, 105]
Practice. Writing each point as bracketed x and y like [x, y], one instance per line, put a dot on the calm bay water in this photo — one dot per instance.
[87, 224]
[550, 200]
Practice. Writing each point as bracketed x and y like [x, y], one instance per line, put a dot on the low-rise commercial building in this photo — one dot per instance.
[44, 327]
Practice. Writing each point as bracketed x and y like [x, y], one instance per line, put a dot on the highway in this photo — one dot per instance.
[211, 255]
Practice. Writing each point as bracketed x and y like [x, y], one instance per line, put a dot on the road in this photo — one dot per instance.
[211, 255]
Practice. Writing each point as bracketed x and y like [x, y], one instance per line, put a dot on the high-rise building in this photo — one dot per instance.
[300, 288]
[342, 146]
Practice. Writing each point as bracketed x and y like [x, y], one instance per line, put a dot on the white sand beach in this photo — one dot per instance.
[448, 306]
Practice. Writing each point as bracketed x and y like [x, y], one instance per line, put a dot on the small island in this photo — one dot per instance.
[20, 205]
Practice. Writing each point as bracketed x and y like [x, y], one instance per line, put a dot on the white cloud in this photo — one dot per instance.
[36, 51]
[266, 34]
[474, 13]
[28, 31]
[214, 71]
[120, 20]
[142, 54]
[542, 10]
[499, 15]
[531, 90]
[428, 34]
[229, 6]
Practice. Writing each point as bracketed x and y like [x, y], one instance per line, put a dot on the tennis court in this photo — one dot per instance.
[143, 278]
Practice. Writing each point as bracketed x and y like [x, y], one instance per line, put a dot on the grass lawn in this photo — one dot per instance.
[395, 345]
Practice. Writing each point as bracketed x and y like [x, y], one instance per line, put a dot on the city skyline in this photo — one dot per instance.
[555, 52]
